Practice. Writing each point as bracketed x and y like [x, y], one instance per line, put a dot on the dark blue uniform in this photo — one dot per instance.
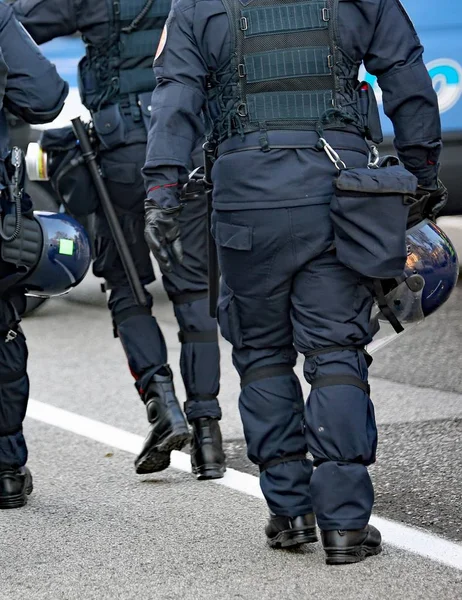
[35, 92]
[283, 289]
[116, 81]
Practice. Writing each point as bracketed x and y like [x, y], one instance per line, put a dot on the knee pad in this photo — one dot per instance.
[192, 313]
[122, 305]
[200, 354]
[272, 416]
[340, 425]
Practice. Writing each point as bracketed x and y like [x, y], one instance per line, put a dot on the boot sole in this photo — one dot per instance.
[209, 472]
[157, 458]
[291, 537]
[17, 501]
[348, 556]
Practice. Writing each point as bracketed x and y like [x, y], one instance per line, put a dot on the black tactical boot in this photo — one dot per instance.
[207, 456]
[169, 429]
[15, 486]
[345, 547]
[283, 532]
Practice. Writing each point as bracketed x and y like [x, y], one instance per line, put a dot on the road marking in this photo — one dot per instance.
[396, 534]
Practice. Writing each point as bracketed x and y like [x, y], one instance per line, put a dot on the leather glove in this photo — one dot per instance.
[162, 233]
[437, 199]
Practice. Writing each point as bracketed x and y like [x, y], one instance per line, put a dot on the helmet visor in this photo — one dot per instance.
[406, 305]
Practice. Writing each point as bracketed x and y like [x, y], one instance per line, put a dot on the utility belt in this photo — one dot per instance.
[114, 123]
[348, 138]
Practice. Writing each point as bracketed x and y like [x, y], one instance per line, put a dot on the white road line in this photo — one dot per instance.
[396, 534]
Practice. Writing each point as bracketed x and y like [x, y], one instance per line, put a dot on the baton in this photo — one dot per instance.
[212, 256]
[114, 225]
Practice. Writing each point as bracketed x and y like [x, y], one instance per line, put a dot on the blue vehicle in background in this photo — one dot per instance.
[439, 25]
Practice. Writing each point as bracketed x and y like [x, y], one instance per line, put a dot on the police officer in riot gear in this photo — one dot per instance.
[116, 82]
[31, 89]
[279, 84]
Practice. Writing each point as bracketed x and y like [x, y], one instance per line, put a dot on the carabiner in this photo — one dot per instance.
[332, 154]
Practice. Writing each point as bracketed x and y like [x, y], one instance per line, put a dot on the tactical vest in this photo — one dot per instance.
[122, 65]
[285, 64]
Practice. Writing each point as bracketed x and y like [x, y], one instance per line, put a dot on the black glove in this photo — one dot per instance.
[436, 201]
[162, 233]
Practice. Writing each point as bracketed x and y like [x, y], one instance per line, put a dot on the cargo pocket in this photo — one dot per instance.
[106, 257]
[109, 126]
[228, 316]
[369, 211]
[231, 241]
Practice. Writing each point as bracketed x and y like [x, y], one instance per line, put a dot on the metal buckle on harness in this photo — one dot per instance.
[332, 154]
[374, 157]
[11, 336]
[242, 110]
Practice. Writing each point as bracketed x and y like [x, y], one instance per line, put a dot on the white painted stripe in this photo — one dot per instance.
[396, 534]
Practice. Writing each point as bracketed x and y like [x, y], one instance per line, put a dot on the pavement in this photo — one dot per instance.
[93, 529]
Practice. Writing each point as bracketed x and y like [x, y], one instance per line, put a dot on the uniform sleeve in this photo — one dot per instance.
[395, 56]
[34, 90]
[177, 103]
[46, 19]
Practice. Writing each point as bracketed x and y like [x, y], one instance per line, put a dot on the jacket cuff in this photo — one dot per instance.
[165, 196]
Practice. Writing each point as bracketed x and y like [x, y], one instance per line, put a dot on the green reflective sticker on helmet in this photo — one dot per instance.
[66, 247]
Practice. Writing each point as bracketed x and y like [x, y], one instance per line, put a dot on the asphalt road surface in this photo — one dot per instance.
[93, 529]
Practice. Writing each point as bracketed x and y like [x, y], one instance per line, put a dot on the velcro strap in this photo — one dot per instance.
[384, 308]
[188, 297]
[290, 62]
[264, 20]
[296, 106]
[282, 459]
[198, 337]
[14, 376]
[7, 432]
[201, 397]
[265, 372]
[328, 380]
[329, 349]
[133, 311]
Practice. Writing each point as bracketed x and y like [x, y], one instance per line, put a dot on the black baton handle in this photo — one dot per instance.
[114, 225]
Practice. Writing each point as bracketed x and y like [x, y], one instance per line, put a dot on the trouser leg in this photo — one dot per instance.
[271, 409]
[200, 355]
[186, 286]
[256, 262]
[331, 309]
[140, 335]
[137, 329]
[14, 388]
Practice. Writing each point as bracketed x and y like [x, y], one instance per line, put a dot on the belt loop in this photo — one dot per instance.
[263, 139]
